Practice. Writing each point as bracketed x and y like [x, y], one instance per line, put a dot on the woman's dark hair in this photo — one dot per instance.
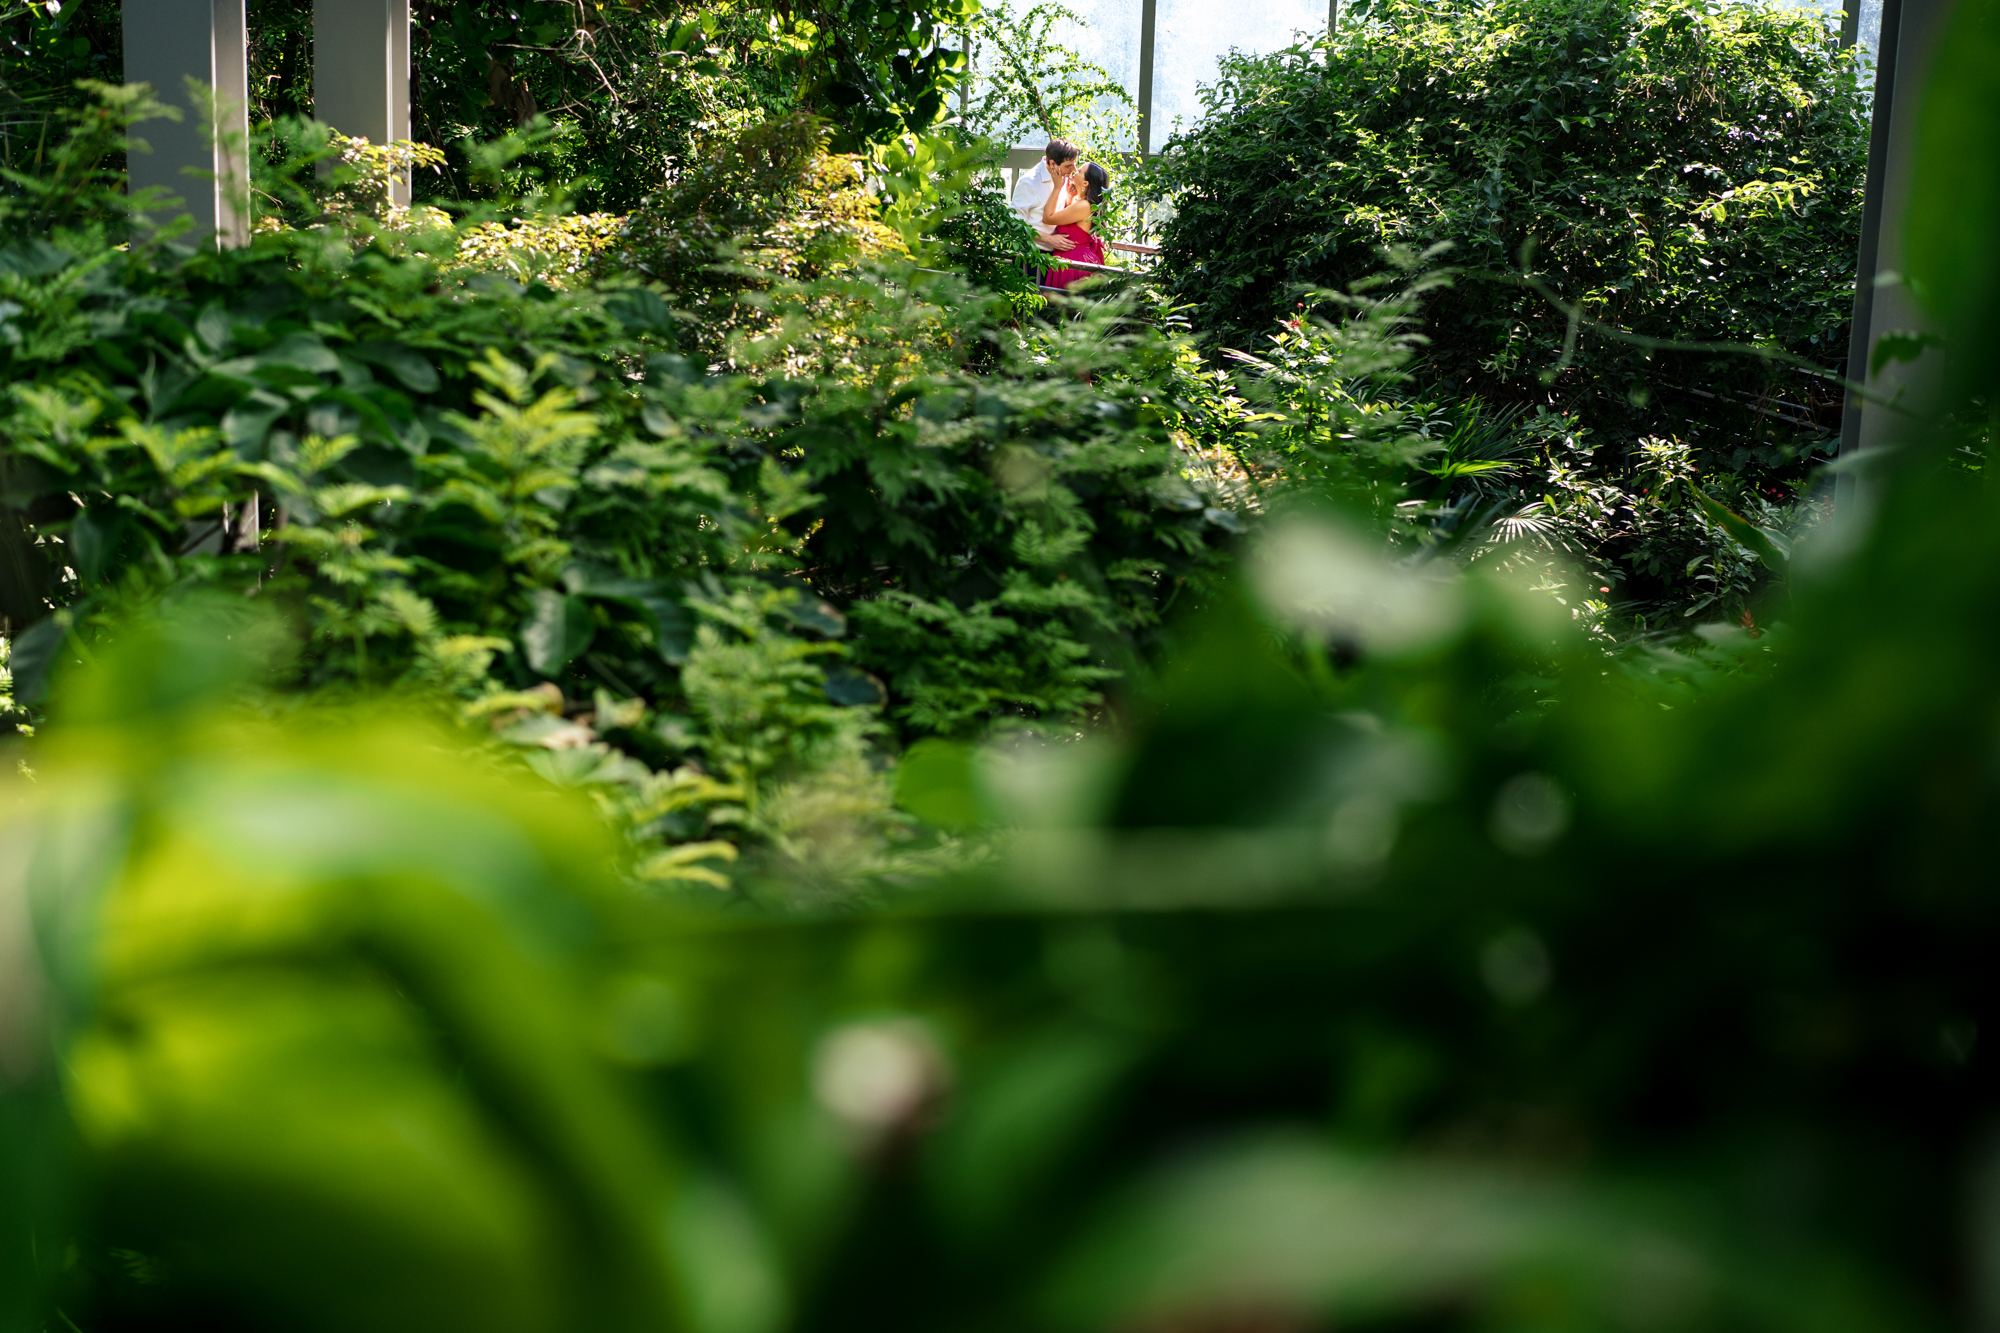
[1096, 180]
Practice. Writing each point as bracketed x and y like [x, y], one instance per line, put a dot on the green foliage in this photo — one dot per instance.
[1396, 961]
[638, 93]
[880, 70]
[772, 200]
[1305, 994]
[75, 195]
[1041, 523]
[528, 508]
[44, 51]
[1649, 165]
[1653, 162]
[457, 1186]
[634, 92]
[1638, 543]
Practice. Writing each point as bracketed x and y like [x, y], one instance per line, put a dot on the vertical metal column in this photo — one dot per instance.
[1910, 32]
[1859, 337]
[361, 71]
[203, 159]
[971, 75]
[1333, 15]
[1148, 11]
[399, 77]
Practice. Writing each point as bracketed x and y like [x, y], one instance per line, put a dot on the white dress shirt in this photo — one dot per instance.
[1031, 193]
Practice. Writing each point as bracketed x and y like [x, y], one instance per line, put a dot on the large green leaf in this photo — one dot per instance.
[407, 364]
[557, 630]
[1756, 540]
[1305, 1234]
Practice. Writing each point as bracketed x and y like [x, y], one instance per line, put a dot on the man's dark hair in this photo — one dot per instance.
[1060, 150]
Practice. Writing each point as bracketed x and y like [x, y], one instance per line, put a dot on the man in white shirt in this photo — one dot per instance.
[1031, 192]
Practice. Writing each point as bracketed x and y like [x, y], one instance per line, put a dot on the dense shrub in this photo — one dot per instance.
[1644, 543]
[1677, 169]
[774, 194]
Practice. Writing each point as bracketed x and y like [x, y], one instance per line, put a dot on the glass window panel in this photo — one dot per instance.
[1108, 36]
[1111, 39]
[1192, 36]
[1869, 35]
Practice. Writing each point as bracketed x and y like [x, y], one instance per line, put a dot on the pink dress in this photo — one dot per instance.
[1087, 250]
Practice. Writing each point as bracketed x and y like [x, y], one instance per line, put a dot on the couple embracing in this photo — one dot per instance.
[1057, 199]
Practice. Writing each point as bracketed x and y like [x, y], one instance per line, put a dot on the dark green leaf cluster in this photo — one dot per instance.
[44, 51]
[1656, 162]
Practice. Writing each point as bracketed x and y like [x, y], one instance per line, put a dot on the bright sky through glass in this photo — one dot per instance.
[1110, 39]
[1192, 36]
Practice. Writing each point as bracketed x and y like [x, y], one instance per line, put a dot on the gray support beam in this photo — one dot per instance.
[361, 70]
[1148, 12]
[1858, 339]
[1333, 14]
[399, 74]
[1910, 32]
[202, 160]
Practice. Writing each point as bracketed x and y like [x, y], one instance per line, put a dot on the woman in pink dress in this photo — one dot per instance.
[1077, 189]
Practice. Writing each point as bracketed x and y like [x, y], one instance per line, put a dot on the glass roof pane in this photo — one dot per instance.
[1108, 37]
[1192, 36]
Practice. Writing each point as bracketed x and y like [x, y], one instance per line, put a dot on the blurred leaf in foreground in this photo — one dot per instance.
[325, 1061]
